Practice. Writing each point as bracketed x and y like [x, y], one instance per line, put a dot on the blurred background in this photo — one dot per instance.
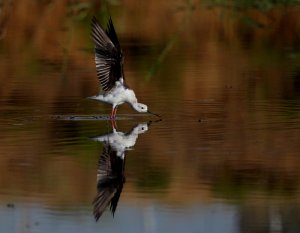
[224, 75]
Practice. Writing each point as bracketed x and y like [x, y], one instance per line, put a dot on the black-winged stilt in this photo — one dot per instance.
[109, 65]
[111, 166]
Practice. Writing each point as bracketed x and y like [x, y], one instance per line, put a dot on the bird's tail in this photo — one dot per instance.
[96, 97]
[103, 138]
[91, 97]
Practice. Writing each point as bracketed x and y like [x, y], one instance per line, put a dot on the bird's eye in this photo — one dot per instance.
[142, 128]
[142, 107]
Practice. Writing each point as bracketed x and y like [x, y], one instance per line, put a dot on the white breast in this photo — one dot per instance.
[118, 96]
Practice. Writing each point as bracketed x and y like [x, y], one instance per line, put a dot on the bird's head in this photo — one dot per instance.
[143, 108]
[140, 107]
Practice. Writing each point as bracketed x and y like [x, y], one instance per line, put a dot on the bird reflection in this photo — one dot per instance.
[111, 166]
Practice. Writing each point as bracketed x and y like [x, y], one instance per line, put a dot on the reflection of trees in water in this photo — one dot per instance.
[268, 217]
[151, 178]
[261, 61]
[236, 182]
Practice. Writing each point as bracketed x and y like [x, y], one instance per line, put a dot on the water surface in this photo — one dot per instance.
[223, 158]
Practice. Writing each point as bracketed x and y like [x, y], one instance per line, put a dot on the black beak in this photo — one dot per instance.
[153, 113]
[150, 122]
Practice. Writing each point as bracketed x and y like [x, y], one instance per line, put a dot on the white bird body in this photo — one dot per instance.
[117, 96]
[120, 141]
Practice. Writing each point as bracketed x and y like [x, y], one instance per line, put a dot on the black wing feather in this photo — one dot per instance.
[108, 55]
[110, 179]
[111, 32]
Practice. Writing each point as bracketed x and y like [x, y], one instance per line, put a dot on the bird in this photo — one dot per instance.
[109, 61]
[111, 166]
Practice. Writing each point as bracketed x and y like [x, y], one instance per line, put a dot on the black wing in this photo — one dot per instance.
[110, 179]
[108, 55]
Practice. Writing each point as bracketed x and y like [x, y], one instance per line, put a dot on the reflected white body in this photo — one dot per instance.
[120, 141]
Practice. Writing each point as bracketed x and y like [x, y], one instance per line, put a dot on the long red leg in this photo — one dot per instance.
[112, 113]
[115, 112]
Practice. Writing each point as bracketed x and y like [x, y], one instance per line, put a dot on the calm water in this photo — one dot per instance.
[224, 157]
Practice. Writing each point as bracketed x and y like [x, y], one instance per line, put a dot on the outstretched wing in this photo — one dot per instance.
[108, 55]
[110, 179]
[111, 33]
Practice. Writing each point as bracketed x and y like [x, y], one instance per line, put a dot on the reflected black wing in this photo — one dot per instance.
[110, 179]
[108, 55]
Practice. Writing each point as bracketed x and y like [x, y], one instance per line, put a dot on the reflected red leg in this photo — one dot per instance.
[114, 124]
